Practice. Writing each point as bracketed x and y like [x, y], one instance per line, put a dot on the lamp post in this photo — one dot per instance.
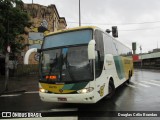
[79, 13]
[7, 56]
[141, 56]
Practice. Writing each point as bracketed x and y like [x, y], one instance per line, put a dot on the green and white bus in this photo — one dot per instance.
[82, 65]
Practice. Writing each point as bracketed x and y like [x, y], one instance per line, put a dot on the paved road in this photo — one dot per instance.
[141, 95]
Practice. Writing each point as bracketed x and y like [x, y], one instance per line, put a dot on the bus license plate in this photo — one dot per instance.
[62, 99]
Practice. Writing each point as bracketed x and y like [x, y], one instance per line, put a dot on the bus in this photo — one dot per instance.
[82, 65]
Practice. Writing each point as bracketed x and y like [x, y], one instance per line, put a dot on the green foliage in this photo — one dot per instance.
[13, 20]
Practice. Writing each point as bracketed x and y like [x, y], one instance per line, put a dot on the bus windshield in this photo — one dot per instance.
[67, 39]
[67, 61]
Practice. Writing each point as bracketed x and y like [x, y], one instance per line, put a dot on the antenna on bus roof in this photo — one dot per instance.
[114, 31]
[108, 30]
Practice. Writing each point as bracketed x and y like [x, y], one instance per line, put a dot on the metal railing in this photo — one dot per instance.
[26, 70]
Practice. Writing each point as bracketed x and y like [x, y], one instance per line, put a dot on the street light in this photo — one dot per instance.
[141, 56]
[7, 56]
[79, 13]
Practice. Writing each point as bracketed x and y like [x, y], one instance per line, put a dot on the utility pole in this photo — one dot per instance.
[32, 8]
[141, 56]
[7, 57]
[6, 70]
[79, 13]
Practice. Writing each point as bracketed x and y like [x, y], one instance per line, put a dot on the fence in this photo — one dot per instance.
[25, 70]
[153, 63]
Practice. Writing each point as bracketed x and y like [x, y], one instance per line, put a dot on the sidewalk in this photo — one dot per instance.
[23, 83]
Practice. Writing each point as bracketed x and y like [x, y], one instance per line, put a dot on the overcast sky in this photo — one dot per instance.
[137, 20]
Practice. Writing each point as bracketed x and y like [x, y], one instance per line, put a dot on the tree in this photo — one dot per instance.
[12, 22]
[14, 19]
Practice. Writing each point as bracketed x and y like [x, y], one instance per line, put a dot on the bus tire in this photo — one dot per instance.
[111, 89]
[129, 77]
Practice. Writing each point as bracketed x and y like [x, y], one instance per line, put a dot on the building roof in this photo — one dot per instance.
[150, 55]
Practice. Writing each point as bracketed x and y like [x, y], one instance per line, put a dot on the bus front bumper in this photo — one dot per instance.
[68, 98]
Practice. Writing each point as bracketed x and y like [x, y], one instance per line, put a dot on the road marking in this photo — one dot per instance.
[141, 84]
[64, 109]
[14, 95]
[10, 95]
[60, 110]
[32, 92]
[151, 83]
[155, 81]
[129, 85]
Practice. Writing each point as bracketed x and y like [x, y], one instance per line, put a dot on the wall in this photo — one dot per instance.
[148, 61]
[44, 19]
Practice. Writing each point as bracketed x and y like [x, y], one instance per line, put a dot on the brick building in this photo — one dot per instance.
[44, 19]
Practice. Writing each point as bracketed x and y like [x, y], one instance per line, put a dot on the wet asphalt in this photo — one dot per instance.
[142, 95]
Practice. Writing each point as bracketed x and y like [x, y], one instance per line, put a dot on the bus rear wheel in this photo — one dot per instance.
[129, 77]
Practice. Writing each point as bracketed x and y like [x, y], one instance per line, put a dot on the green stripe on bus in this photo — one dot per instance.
[119, 67]
[76, 86]
[68, 86]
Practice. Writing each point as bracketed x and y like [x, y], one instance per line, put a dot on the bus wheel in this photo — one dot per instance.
[111, 89]
[129, 77]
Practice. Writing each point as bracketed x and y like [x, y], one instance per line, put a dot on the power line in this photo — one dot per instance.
[158, 27]
[152, 28]
[116, 23]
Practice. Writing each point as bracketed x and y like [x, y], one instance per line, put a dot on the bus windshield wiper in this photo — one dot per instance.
[53, 65]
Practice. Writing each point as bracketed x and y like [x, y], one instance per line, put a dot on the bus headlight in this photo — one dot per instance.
[85, 90]
[43, 90]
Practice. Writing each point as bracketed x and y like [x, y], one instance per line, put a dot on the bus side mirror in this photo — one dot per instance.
[28, 53]
[91, 50]
[39, 50]
[114, 31]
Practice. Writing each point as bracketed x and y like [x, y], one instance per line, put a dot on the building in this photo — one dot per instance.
[47, 14]
[43, 19]
[148, 60]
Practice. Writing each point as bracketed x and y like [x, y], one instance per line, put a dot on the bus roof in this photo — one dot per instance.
[71, 29]
[83, 27]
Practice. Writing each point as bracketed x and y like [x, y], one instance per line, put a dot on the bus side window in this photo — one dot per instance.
[99, 52]
[98, 64]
